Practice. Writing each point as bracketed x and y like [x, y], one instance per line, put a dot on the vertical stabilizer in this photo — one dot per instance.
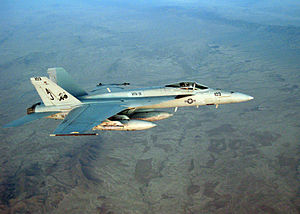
[51, 93]
[64, 80]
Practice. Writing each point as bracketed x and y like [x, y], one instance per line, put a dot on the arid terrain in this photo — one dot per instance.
[239, 158]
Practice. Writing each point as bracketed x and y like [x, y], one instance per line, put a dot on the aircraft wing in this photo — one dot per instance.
[85, 117]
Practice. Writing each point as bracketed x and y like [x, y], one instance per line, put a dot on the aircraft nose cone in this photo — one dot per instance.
[247, 97]
[243, 97]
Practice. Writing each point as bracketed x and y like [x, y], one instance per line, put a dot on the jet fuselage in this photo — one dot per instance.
[111, 107]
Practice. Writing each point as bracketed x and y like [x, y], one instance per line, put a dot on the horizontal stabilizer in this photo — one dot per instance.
[28, 118]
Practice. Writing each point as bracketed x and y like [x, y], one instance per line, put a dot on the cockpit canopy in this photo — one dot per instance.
[187, 86]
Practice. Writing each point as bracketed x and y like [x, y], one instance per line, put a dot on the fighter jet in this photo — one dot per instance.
[114, 106]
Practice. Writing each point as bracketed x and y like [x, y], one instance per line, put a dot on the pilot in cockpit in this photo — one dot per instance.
[186, 85]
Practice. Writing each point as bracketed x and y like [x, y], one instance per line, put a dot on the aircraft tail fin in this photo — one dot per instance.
[64, 80]
[51, 93]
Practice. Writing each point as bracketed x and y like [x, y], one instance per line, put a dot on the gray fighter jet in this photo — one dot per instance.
[114, 106]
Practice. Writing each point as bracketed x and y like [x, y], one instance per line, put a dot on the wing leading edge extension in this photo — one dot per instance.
[85, 117]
